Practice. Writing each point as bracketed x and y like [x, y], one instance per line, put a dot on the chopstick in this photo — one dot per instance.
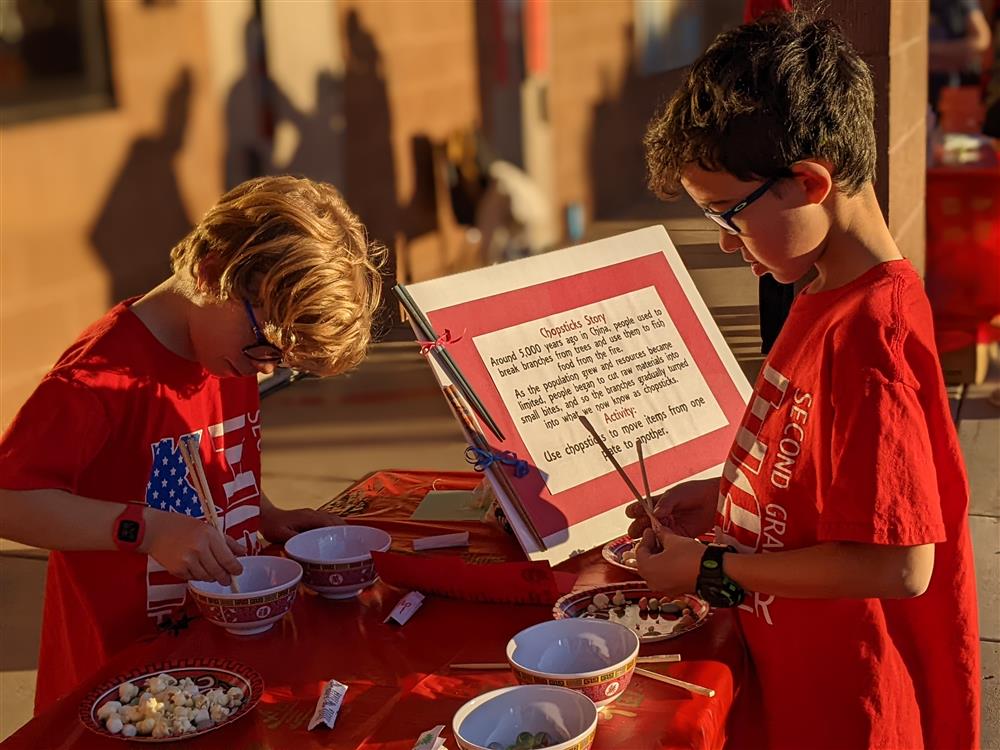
[689, 686]
[643, 502]
[479, 440]
[445, 359]
[485, 666]
[196, 472]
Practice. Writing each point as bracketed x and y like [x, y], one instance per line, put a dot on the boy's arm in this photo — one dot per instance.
[53, 519]
[829, 570]
[278, 526]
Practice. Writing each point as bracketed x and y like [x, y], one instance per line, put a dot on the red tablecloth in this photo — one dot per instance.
[398, 677]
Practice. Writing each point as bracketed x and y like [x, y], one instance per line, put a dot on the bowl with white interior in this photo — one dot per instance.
[594, 657]
[500, 718]
[266, 590]
[337, 560]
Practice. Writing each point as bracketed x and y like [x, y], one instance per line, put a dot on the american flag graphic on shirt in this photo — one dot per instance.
[230, 452]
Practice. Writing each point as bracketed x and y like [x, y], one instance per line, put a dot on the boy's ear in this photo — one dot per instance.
[815, 178]
[206, 274]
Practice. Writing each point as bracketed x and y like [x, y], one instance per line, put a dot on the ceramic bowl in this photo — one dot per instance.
[594, 657]
[498, 717]
[267, 588]
[336, 560]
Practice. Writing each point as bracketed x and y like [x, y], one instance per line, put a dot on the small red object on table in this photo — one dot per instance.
[399, 677]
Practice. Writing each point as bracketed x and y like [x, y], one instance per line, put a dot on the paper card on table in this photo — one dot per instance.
[510, 582]
[405, 608]
[614, 330]
[449, 505]
[431, 739]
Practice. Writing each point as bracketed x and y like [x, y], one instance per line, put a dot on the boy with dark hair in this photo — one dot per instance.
[278, 271]
[860, 619]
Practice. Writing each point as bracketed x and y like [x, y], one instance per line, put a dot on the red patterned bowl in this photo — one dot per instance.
[267, 586]
[593, 657]
[337, 560]
[498, 717]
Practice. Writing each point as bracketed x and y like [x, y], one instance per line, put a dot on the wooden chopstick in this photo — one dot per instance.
[654, 522]
[479, 440]
[196, 472]
[648, 505]
[689, 686]
[445, 359]
[485, 666]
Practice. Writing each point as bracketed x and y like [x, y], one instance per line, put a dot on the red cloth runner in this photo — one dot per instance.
[398, 677]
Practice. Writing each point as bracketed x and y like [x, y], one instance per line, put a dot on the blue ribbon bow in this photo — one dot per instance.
[482, 460]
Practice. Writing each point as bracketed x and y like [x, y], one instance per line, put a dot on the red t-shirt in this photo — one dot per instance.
[848, 437]
[104, 423]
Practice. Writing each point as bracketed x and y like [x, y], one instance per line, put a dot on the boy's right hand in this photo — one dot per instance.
[687, 509]
[191, 549]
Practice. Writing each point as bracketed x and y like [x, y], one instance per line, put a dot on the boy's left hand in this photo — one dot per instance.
[669, 563]
[278, 526]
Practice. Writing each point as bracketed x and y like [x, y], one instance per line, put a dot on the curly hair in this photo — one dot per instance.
[292, 247]
[763, 96]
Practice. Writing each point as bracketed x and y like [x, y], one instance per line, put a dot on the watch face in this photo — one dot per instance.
[128, 531]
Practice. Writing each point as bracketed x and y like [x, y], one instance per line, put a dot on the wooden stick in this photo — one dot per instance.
[196, 472]
[479, 440]
[659, 659]
[654, 522]
[689, 686]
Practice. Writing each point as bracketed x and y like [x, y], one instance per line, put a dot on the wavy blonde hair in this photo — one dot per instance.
[293, 248]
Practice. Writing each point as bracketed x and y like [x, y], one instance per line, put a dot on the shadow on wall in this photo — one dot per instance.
[144, 214]
[370, 167]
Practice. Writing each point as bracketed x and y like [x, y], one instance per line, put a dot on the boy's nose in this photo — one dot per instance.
[730, 243]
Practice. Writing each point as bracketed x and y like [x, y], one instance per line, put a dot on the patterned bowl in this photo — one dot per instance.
[337, 560]
[498, 717]
[267, 589]
[594, 657]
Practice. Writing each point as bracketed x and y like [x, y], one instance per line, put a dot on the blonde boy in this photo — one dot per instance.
[278, 272]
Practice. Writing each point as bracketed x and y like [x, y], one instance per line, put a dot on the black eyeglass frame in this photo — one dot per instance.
[261, 350]
[725, 218]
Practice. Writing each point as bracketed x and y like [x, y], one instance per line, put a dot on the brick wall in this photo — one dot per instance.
[65, 257]
[411, 77]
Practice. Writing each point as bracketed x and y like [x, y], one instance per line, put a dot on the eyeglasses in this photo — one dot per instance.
[725, 218]
[261, 350]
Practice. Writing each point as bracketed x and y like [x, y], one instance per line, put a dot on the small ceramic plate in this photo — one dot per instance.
[650, 625]
[614, 551]
[206, 674]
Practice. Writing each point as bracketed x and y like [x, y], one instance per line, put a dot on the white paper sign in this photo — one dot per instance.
[632, 377]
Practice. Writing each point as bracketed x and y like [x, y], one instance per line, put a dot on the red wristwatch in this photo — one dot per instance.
[129, 528]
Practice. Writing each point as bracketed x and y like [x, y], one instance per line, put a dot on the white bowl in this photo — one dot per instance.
[594, 657]
[267, 588]
[336, 560]
[568, 717]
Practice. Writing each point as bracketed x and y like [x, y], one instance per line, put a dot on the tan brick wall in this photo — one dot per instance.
[891, 35]
[424, 85]
[57, 178]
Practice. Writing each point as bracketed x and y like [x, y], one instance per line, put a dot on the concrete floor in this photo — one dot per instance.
[322, 435]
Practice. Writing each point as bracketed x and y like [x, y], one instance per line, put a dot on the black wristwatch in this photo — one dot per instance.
[713, 585]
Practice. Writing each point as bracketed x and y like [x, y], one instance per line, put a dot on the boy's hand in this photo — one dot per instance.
[687, 509]
[672, 570]
[191, 549]
[278, 526]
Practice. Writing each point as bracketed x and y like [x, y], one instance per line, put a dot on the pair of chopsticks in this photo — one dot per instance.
[444, 358]
[478, 439]
[485, 666]
[190, 448]
[646, 500]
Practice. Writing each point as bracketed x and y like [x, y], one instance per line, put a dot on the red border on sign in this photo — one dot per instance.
[552, 513]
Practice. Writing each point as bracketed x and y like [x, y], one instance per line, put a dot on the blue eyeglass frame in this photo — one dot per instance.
[261, 350]
[725, 218]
